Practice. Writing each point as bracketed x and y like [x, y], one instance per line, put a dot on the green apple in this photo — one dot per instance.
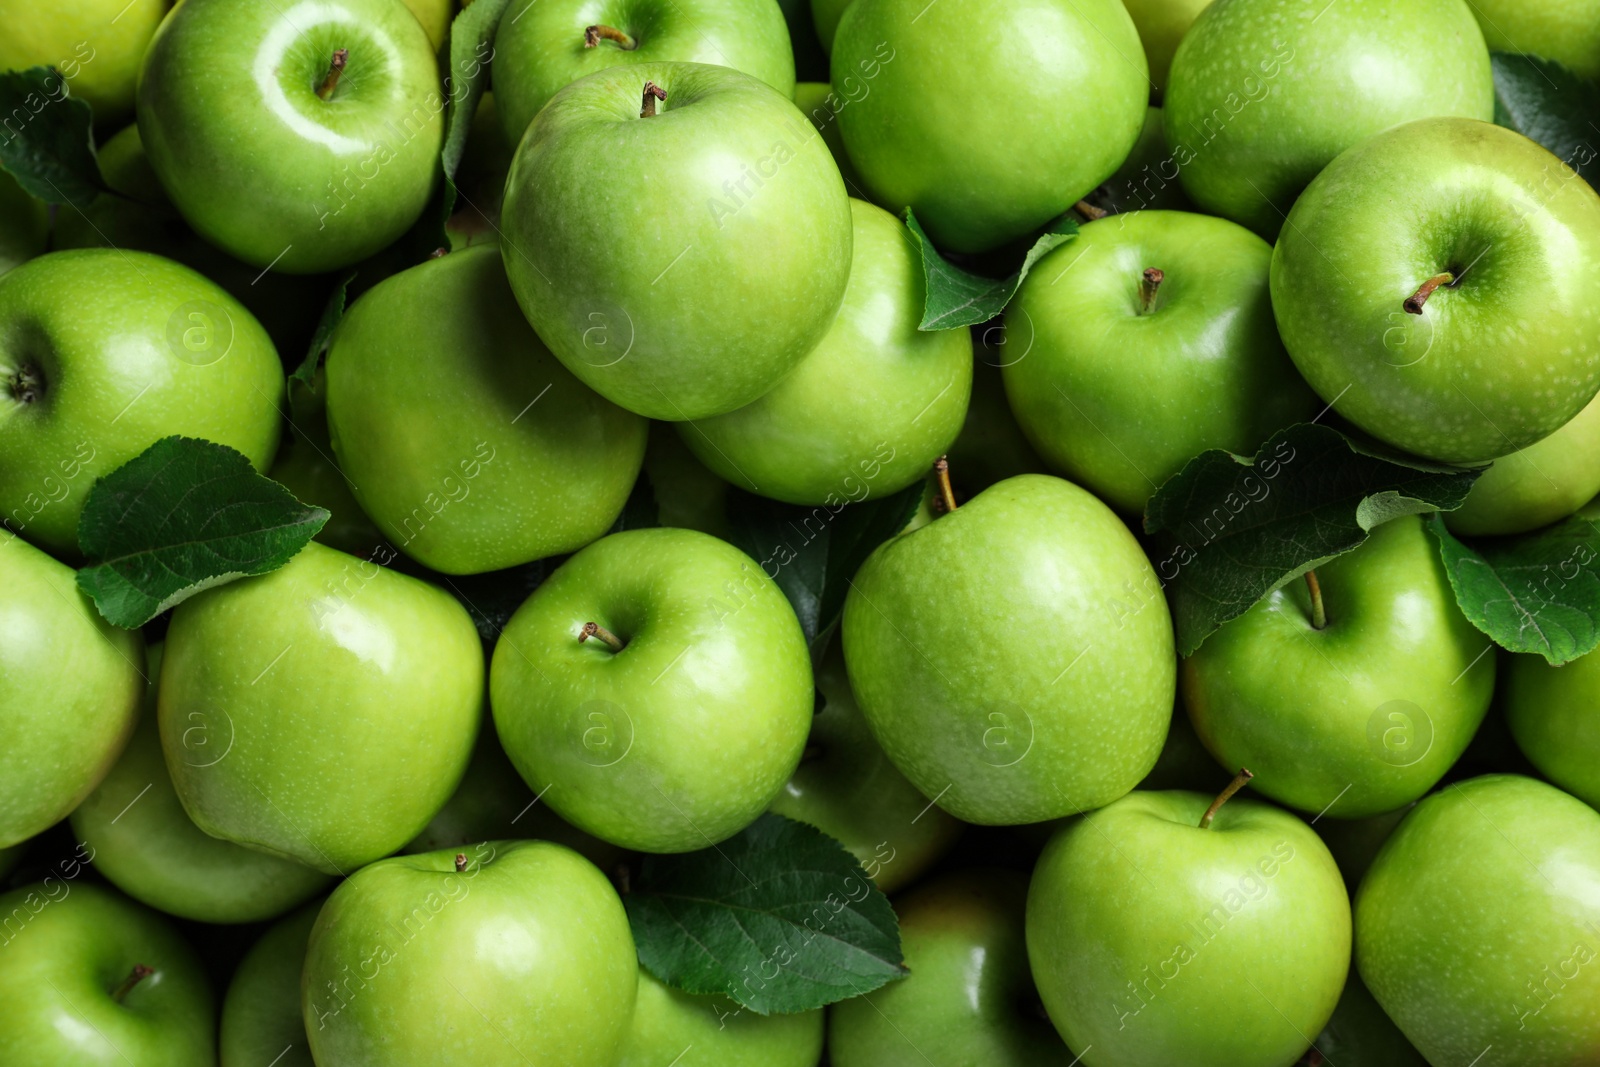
[1045, 100]
[468, 444]
[611, 683]
[672, 1027]
[825, 16]
[1478, 926]
[1537, 485]
[1360, 1035]
[683, 257]
[1189, 294]
[1148, 178]
[970, 998]
[1448, 330]
[70, 684]
[435, 16]
[1132, 936]
[303, 139]
[809, 442]
[323, 712]
[1161, 25]
[1362, 710]
[1014, 657]
[846, 787]
[1567, 31]
[1551, 712]
[687, 495]
[1262, 94]
[991, 446]
[822, 105]
[551, 44]
[94, 45]
[91, 978]
[146, 846]
[24, 224]
[261, 1012]
[104, 352]
[514, 952]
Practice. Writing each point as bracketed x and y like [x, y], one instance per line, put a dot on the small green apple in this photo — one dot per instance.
[672, 1027]
[1567, 31]
[1478, 926]
[656, 690]
[513, 952]
[1047, 98]
[148, 847]
[261, 1012]
[551, 44]
[95, 45]
[102, 353]
[1365, 707]
[1161, 25]
[461, 436]
[846, 787]
[1160, 936]
[1448, 330]
[1014, 657]
[1263, 94]
[1189, 293]
[683, 257]
[24, 224]
[70, 684]
[970, 998]
[1535, 486]
[90, 978]
[1551, 712]
[807, 441]
[435, 17]
[303, 139]
[323, 712]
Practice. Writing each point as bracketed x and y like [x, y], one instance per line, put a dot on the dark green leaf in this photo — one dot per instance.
[183, 516]
[957, 298]
[1536, 592]
[813, 552]
[48, 141]
[780, 917]
[1547, 103]
[471, 49]
[491, 599]
[1228, 530]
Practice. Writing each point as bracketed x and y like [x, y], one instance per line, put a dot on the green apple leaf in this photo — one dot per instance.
[1535, 592]
[1227, 530]
[1547, 103]
[956, 298]
[813, 552]
[48, 141]
[183, 516]
[780, 917]
[471, 49]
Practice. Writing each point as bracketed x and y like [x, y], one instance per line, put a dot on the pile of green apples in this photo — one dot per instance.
[681, 266]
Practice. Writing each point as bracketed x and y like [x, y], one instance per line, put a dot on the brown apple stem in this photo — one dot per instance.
[595, 34]
[1414, 302]
[594, 629]
[461, 862]
[652, 93]
[139, 973]
[1149, 282]
[438, 253]
[341, 56]
[1234, 786]
[1319, 613]
[1089, 211]
[25, 384]
[941, 474]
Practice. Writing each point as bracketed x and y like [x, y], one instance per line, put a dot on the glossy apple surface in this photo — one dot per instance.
[1161, 25]
[95, 46]
[1535, 486]
[1551, 713]
[261, 1012]
[715, 1032]
[1567, 31]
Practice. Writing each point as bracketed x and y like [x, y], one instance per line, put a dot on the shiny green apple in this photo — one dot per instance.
[1551, 712]
[95, 46]
[1535, 486]
[677, 1028]
[1161, 25]
[435, 17]
[261, 1012]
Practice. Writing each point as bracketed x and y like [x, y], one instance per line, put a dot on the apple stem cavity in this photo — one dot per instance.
[1319, 613]
[652, 93]
[594, 629]
[1089, 211]
[1234, 786]
[595, 34]
[1149, 282]
[139, 973]
[941, 474]
[1414, 302]
[341, 56]
[461, 863]
[25, 384]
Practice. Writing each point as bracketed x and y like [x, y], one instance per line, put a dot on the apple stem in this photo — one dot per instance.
[1319, 613]
[652, 93]
[623, 879]
[1149, 282]
[1234, 786]
[594, 629]
[461, 862]
[1089, 211]
[941, 474]
[139, 973]
[593, 35]
[438, 253]
[1414, 302]
[341, 56]
[25, 384]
